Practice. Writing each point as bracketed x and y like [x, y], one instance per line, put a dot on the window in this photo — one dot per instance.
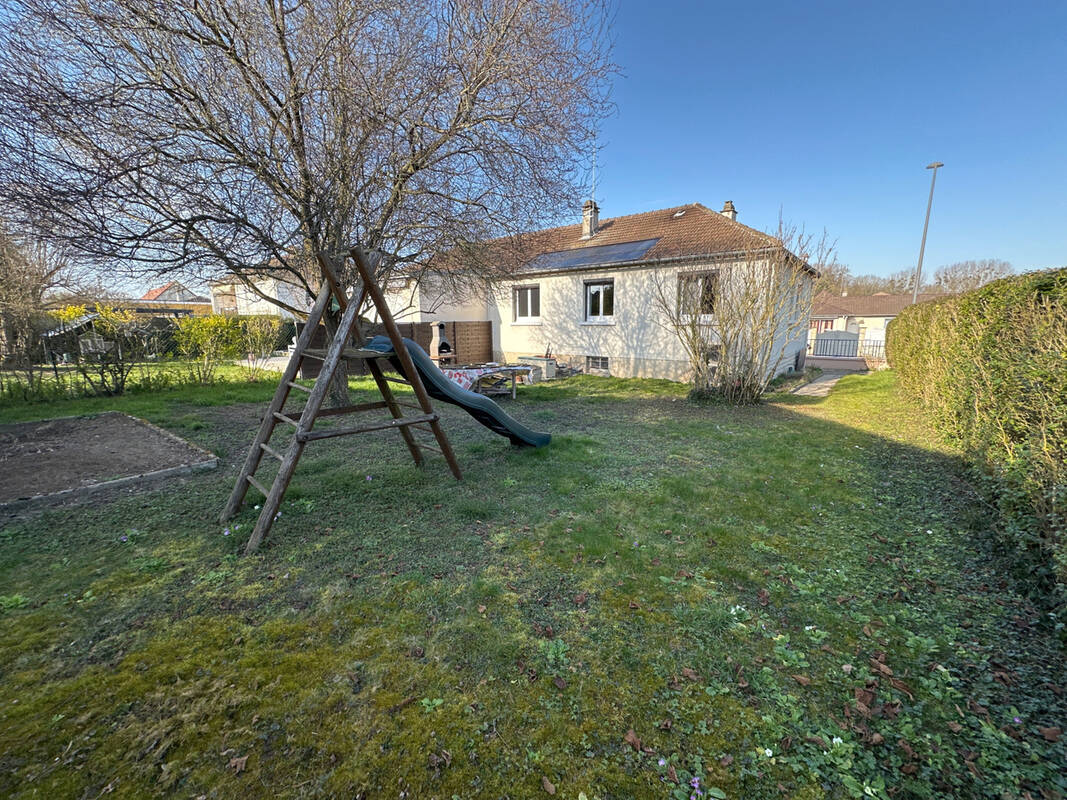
[697, 292]
[599, 301]
[527, 304]
[596, 363]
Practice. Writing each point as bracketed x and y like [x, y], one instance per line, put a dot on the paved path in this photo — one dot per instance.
[821, 386]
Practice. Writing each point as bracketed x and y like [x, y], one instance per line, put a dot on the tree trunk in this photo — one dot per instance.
[337, 396]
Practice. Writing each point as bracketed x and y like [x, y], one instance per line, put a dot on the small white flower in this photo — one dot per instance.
[809, 627]
[767, 752]
[836, 741]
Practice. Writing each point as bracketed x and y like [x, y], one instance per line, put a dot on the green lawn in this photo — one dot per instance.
[800, 599]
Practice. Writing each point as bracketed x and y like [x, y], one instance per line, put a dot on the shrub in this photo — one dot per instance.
[210, 341]
[989, 368]
[106, 354]
[259, 335]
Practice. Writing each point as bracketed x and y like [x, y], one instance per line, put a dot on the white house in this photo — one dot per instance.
[232, 296]
[586, 293]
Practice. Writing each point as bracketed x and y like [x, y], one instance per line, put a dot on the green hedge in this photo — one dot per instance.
[990, 368]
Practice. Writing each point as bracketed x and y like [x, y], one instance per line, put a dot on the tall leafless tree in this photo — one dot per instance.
[31, 273]
[964, 276]
[193, 137]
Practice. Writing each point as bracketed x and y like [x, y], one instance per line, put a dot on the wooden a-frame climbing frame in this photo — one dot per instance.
[426, 421]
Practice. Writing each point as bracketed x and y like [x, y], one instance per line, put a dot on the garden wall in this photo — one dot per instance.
[990, 369]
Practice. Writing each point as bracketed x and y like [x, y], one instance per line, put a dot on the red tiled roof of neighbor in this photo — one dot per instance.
[870, 305]
[689, 230]
[155, 293]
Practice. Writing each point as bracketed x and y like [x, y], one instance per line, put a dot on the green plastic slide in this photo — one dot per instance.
[477, 405]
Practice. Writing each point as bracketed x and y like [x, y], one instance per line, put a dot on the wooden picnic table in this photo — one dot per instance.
[470, 377]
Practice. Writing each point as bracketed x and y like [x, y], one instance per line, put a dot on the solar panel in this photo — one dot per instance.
[590, 256]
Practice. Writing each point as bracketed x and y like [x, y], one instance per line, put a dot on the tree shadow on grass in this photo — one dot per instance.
[749, 546]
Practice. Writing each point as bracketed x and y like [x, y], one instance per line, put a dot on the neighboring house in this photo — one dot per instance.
[173, 299]
[232, 296]
[587, 292]
[853, 326]
[860, 314]
[432, 299]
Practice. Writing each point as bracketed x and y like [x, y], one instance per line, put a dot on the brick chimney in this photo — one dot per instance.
[728, 210]
[590, 219]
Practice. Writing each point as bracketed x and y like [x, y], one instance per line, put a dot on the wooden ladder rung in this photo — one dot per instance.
[409, 405]
[280, 416]
[257, 484]
[307, 436]
[348, 352]
[295, 385]
[397, 380]
[333, 412]
[268, 449]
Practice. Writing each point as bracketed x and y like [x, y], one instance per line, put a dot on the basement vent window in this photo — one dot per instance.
[596, 364]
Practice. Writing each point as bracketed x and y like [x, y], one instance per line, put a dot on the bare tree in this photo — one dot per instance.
[199, 136]
[964, 276]
[737, 317]
[31, 271]
[833, 279]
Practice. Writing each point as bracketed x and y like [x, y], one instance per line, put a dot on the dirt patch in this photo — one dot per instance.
[80, 453]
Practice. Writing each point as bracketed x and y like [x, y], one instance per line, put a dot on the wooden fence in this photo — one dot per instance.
[472, 343]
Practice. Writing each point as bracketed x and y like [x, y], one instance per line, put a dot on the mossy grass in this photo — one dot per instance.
[725, 583]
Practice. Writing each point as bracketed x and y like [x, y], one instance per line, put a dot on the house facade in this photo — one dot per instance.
[232, 296]
[590, 295]
[859, 313]
[854, 325]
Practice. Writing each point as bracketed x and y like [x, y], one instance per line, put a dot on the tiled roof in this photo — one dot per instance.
[155, 293]
[689, 230]
[871, 305]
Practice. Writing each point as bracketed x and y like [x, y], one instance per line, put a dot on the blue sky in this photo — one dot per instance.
[831, 111]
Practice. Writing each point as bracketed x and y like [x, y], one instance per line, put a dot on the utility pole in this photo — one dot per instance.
[922, 247]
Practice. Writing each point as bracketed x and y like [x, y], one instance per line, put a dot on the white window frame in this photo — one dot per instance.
[528, 319]
[701, 276]
[605, 370]
[588, 286]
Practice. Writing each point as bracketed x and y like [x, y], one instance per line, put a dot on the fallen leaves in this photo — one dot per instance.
[878, 666]
[1051, 734]
[803, 680]
[547, 785]
[238, 764]
[631, 739]
[690, 674]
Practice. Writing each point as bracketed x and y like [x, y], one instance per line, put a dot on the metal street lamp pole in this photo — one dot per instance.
[922, 247]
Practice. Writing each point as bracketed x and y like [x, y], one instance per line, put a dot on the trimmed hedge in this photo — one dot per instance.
[990, 368]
